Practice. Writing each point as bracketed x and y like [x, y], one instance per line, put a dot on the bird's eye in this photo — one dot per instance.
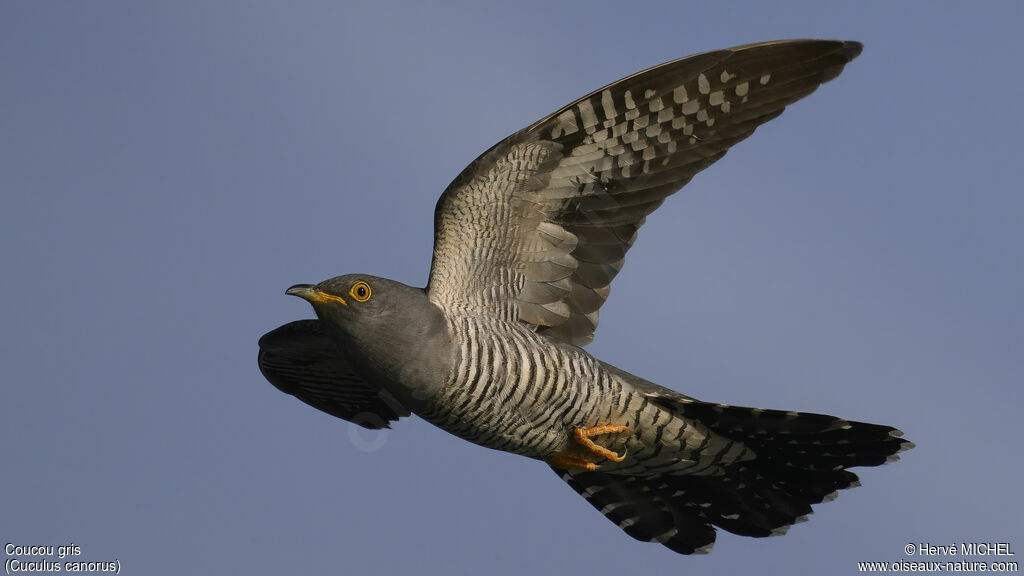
[360, 291]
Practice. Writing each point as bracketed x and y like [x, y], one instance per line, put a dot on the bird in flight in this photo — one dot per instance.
[527, 241]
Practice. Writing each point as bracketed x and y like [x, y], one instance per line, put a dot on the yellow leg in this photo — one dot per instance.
[575, 460]
[582, 435]
[571, 461]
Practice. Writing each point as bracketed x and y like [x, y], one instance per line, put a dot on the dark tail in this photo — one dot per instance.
[800, 459]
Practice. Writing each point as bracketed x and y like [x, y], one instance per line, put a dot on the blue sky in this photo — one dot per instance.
[166, 171]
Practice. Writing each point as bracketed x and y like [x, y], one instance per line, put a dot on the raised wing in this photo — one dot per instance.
[300, 359]
[537, 227]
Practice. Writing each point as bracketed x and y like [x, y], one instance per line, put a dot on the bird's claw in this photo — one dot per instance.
[582, 436]
[575, 460]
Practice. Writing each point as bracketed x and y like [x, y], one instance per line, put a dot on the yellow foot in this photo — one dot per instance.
[575, 460]
[582, 435]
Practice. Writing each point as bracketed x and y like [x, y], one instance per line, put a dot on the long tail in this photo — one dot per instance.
[800, 459]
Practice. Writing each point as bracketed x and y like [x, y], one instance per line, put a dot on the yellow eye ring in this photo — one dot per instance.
[360, 291]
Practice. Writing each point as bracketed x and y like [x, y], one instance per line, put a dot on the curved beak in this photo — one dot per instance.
[314, 295]
[304, 291]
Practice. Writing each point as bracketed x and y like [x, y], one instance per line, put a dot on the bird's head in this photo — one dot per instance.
[390, 329]
[360, 305]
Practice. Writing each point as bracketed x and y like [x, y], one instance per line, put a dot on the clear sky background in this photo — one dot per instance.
[166, 171]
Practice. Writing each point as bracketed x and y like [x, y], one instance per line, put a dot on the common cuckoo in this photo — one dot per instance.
[527, 241]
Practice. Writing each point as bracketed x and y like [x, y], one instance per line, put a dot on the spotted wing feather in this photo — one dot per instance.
[536, 228]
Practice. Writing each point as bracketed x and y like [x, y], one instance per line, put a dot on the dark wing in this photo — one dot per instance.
[536, 228]
[300, 359]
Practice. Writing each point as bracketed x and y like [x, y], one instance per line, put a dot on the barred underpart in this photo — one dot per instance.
[513, 390]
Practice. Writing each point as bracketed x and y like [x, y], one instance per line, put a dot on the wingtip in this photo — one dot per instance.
[848, 50]
[852, 49]
[705, 549]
